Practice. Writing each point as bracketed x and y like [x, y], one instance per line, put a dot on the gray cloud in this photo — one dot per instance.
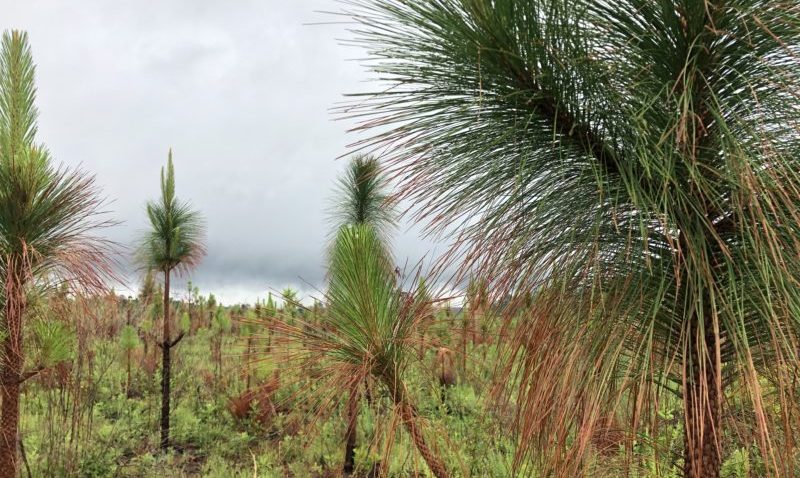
[240, 90]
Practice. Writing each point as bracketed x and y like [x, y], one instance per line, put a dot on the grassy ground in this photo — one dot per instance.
[86, 422]
[82, 418]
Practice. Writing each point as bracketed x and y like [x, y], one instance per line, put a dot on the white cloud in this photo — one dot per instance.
[241, 90]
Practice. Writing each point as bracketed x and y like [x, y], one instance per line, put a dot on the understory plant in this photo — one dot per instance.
[368, 333]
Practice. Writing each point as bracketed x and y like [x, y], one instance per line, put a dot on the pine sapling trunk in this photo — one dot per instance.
[247, 361]
[9, 419]
[702, 408]
[473, 319]
[12, 363]
[410, 421]
[145, 343]
[350, 433]
[269, 334]
[128, 357]
[128, 367]
[464, 345]
[165, 368]
[218, 357]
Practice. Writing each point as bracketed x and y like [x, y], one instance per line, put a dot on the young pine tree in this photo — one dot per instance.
[47, 217]
[220, 325]
[174, 243]
[360, 198]
[129, 341]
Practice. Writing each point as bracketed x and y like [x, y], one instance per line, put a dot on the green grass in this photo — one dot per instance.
[112, 434]
[118, 436]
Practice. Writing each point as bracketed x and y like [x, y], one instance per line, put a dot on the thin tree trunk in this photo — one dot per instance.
[145, 341]
[473, 319]
[77, 397]
[350, 433]
[218, 359]
[702, 408]
[165, 368]
[409, 418]
[269, 335]
[12, 369]
[410, 421]
[24, 458]
[464, 318]
[12, 362]
[128, 373]
[247, 362]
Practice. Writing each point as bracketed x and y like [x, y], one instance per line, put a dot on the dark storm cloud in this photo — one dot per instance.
[241, 91]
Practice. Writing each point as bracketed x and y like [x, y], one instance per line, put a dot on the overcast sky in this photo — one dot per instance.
[241, 90]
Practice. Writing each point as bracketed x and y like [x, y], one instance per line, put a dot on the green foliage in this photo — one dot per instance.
[362, 197]
[269, 307]
[364, 303]
[737, 465]
[185, 321]
[289, 297]
[193, 291]
[625, 171]
[128, 338]
[18, 111]
[175, 240]
[249, 324]
[96, 463]
[147, 324]
[221, 322]
[632, 162]
[47, 213]
[148, 291]
[54, 341]
[120, 438]
[156, 308]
